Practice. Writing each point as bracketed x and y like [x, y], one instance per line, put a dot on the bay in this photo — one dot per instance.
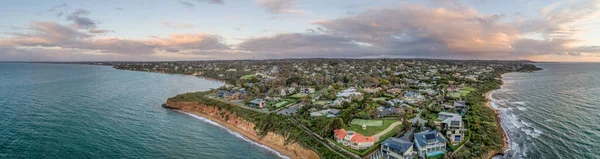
[553, 113]
[82, 111]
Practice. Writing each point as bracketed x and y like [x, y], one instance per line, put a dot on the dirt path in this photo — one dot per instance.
[390, 128]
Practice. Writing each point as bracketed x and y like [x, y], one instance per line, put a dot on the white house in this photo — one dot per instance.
[430, 144]
[348, 93]
[453, 125]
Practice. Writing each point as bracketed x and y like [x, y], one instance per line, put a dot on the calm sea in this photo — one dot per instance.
[80, 111]
[554, 113]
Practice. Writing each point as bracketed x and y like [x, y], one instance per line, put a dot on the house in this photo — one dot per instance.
[385, 111]
[411, 95]
[395, 102]
[348, 93]
[396, 148]
[282, 92]
[272, 99]
[453, 125]
[372, 90]
[307, 90]
[327, 113]
[448, 106]
[394, 91]
[223, 93]
[339, 101]
[258, 103]
[471, 77]
[353, 139]
[460, 105]
[430, 143]
[452, 89]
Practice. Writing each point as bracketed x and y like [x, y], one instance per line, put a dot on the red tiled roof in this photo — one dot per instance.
[360, 138]
[340, 133]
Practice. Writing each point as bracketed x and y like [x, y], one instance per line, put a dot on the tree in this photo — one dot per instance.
[384, 82]
[337, 123]
[431, 124]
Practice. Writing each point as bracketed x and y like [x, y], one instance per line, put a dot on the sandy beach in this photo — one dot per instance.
[500, 129]
[250, 136]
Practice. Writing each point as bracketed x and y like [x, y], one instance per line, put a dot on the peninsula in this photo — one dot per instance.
[351, 108]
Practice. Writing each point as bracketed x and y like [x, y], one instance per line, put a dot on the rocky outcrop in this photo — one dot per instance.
[238, 124]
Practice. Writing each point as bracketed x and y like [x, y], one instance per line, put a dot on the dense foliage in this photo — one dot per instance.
[266, 123]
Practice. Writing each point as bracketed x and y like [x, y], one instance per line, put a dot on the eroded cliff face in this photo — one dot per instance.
[225, 117]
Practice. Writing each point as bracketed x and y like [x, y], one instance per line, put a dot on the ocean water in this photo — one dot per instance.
[553, 113]
[80, 111]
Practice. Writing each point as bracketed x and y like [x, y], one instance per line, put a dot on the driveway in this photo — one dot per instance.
[390, 128]
[417, 118]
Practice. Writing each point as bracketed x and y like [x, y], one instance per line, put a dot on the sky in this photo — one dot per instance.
[166, 30]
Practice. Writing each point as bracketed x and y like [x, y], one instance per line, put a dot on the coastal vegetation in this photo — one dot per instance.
[265, 123]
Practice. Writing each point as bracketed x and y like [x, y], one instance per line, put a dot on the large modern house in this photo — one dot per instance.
[258, 103]
[327, 113]
[348, 93]
[460, 106]
[430, 143]
[353, 139]
[385, 111]
[453, 125]
[396, 148]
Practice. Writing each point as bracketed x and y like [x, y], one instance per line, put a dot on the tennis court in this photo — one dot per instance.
[367, 122]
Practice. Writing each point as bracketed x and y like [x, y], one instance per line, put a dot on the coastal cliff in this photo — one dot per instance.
[236, 123]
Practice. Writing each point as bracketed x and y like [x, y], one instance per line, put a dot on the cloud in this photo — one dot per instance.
[45, 33]
[58, 10]
[445, 29]
[176, 25]
[80, 21]
[304, 45]
[191, 3]
[186, 3]
[278, 6]
[54, 36]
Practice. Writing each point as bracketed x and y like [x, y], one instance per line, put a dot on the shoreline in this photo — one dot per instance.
[279, 151]
[197, 76]
[501, 131]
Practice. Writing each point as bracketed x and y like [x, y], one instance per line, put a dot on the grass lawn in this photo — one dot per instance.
[248, 77]
[282, 103]
[371, 130]
[455, 94]
[433, 116]
[380, 99]
[321, 102]
[297, 95]
[462, 92]
[470, 89]
[367, 122]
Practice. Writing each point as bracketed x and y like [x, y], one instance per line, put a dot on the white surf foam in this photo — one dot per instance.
[238, 135]
[518, 103]
[521, 108]
[532, 132]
